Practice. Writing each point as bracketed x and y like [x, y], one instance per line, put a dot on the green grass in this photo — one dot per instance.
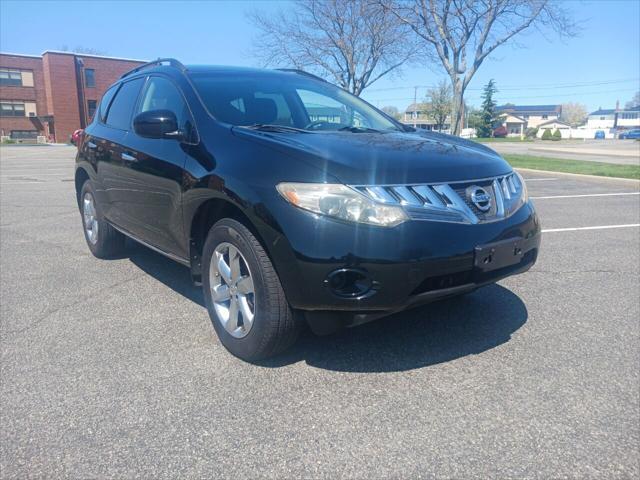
[574, 166]
[505, 139]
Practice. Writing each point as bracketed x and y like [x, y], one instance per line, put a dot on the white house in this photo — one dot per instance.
[619, 119]
[552, 126]
[416, 114]
[517, 118]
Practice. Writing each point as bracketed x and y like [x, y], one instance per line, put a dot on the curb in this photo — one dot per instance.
[579, 175]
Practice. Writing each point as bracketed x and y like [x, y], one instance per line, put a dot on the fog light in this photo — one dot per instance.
[348, 282]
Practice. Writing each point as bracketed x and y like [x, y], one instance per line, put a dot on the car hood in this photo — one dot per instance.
[388, 157]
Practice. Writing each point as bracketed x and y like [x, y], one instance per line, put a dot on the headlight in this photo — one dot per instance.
[340, 201]
[524, 196]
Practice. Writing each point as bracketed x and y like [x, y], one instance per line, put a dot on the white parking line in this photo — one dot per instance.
[587, 195]
[601, 227]
[34, 174]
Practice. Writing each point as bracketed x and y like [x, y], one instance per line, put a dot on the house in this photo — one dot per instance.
[46, 97]
[416, 115]
[517, 118]
[552, 126]
[616, 118]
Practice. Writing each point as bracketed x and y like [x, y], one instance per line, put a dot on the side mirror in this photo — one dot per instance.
[157, 124]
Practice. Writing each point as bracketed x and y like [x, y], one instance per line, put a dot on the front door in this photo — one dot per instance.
[155, 170]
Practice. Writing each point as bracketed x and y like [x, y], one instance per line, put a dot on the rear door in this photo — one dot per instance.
[111, 137]
[154, 170]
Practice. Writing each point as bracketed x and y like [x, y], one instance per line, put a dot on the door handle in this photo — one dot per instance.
[91, 145]
[128, 158]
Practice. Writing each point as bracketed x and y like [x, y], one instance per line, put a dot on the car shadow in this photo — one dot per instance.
[424, 336]
[175, 276]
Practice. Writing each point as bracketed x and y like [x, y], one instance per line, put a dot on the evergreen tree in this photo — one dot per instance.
[488, 117]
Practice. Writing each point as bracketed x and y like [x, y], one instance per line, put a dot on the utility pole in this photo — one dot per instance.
[415, 106]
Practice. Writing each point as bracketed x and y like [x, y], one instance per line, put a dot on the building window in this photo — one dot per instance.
[91, 108]
[10, 77]
[89, 77]
[629, 116]
[544, 117]
[11, 109]
[601, 118]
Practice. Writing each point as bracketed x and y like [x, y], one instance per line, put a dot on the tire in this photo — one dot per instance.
[271, 325]
[105, 241]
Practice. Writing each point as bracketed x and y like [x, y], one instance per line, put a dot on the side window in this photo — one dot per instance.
[119, 113]
[161, 94]
[104, 103]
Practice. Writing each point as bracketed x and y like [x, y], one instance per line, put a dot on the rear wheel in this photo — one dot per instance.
[243, 294]
[103, 240]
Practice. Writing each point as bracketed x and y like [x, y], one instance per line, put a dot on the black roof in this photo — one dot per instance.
[611, 111]
[171, 64]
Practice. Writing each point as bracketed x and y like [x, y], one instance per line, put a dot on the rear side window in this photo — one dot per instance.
[106, 100]
[121, 109]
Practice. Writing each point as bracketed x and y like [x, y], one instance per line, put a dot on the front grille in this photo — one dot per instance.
[476, 201]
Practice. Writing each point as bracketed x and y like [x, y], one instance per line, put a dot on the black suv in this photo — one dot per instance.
[290, 199]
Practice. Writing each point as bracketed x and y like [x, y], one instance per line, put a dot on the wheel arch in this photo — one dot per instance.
[81, 177]
[206, 215]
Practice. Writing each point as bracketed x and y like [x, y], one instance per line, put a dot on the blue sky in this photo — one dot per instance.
[597, 68]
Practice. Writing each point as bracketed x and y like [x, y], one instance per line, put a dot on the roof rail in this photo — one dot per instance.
[302, 72]
[171, 61]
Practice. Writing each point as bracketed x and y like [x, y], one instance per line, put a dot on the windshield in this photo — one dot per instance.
[286, 100]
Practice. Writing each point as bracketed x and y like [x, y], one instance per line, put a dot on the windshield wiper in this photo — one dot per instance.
[358, 129]
[268, 127]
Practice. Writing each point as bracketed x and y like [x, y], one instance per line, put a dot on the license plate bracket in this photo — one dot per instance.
[494, 256]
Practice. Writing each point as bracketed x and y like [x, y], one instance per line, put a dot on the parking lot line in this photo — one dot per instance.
[586, 195]
[600, 227]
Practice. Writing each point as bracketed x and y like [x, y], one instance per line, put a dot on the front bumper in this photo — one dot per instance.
[407, 265]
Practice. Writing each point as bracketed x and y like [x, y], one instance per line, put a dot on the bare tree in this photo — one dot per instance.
[634, 102]
[392, 111]
[439, 104]
[351, 42]
[573, 113]
[461, 34]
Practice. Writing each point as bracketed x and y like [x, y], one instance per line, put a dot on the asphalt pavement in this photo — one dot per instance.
[112, 369]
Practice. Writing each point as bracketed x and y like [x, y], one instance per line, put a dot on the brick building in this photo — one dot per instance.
[53, 94]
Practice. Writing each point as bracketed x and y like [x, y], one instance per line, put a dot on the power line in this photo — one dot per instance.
[522, 87]
[528, 96]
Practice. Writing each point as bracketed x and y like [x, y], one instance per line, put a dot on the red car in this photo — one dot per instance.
[75, 136]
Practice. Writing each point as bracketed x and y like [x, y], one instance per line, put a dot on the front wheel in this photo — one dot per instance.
[243, 294]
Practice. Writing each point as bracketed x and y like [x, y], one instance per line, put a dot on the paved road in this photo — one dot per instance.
[625, 152]
[112, 368]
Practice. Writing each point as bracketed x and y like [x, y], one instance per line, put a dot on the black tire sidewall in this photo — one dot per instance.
[252, 345]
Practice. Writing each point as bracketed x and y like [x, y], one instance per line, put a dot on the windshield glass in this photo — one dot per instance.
[286, 100]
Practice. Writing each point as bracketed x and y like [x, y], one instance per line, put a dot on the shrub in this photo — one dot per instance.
[500, 132]
[531, 132]
[547, 135]
[557, 135]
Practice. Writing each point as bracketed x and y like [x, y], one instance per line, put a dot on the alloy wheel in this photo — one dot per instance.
[90, 218]
[232, 290]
